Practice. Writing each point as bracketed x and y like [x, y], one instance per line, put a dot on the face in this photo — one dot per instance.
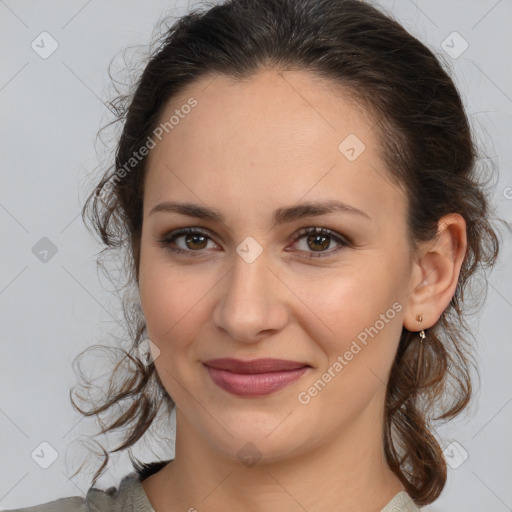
[259, 282]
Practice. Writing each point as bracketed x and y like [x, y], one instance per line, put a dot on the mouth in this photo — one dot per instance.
[258, 377]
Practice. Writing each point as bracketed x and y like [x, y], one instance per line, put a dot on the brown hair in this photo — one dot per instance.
[428, 148]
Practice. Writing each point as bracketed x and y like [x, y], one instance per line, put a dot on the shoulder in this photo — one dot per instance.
[72, 504]
[95, 501]
[129, 496]
[401, 502]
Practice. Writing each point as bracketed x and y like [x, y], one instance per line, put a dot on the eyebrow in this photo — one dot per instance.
[281, 215]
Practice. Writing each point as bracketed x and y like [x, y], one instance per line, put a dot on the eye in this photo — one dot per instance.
[194, 240]
[319, 239]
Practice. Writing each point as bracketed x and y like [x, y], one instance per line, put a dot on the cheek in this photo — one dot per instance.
[347, 301]
[358, 317]
[172, 299]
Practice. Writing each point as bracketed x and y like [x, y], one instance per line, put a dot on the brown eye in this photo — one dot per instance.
[318, 240]
[194, 241]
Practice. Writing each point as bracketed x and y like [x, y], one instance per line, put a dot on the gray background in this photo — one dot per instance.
[50, 111]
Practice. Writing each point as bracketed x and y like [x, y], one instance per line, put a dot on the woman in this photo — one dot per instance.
[295, 191]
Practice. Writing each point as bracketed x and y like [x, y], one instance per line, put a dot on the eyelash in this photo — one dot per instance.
[167, 240]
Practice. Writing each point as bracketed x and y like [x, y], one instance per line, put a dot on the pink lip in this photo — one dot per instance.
[254, 378]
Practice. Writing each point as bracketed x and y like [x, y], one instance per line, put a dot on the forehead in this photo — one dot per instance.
[274, 138]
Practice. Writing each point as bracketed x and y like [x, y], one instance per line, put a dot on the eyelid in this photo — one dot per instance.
[168, 237]
[342, 241]
[311, 230]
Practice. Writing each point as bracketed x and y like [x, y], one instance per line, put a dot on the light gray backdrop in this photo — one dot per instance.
[53, 73]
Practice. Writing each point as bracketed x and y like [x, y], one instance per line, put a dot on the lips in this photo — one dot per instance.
[258, 377]
[255, 366]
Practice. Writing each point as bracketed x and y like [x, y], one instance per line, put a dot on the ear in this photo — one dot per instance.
[435, 273]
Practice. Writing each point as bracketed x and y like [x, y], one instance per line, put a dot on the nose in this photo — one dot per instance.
[252, 303]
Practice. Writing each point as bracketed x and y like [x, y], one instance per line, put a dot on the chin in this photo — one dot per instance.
[257, 440]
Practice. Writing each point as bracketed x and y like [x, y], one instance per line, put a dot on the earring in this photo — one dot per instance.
[419, 318]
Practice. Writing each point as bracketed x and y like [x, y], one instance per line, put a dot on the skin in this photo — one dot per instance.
[247, 149]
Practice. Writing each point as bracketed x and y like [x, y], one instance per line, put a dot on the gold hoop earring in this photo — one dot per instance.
[419, 363]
